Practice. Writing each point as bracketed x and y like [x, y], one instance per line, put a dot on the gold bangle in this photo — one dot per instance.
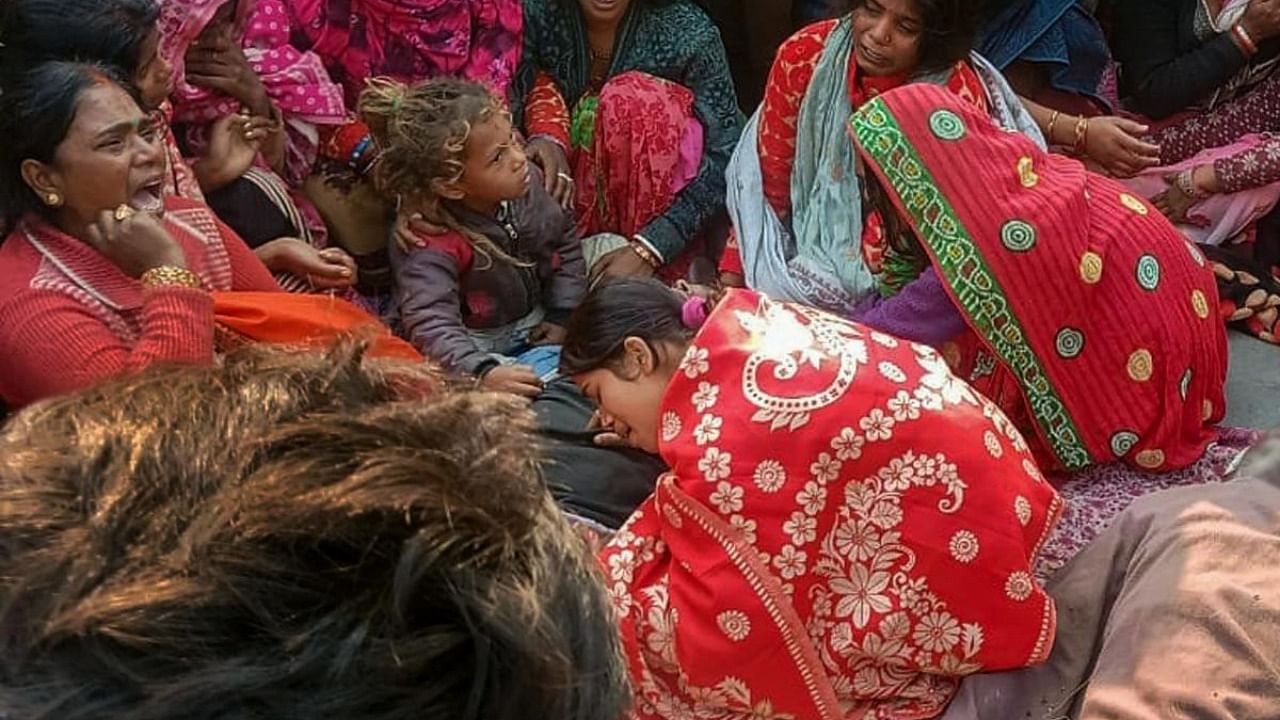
[645, 255]
[170, 276]
[1053, 120]
[1082, 133]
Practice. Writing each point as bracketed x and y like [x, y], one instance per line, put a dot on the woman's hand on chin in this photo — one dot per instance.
[135, 242]
[233, 148]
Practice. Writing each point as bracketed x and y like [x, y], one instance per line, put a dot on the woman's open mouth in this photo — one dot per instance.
[149, 198]
[872, 57]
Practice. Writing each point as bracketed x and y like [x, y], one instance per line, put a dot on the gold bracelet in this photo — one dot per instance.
[1082, 134]
[170, 276]
[645, 255]
[1053, 120]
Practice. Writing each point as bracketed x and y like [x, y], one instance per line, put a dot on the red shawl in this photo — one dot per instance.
[1096, 310]
[846, 529]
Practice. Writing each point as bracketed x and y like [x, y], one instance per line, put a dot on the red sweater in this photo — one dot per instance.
[70, 318]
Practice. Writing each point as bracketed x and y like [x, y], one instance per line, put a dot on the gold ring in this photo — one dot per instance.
[124, 212]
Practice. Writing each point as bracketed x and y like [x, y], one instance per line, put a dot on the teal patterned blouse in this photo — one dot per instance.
[673, 40]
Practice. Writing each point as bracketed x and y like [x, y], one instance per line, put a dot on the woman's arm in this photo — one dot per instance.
[431, 305]
[1159, 78]
[921, 312]
[716, 107]
[54, 344]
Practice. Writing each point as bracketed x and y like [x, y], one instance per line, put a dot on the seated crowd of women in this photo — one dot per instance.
[844, 479]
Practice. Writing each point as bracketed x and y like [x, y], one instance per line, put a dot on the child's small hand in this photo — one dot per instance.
[410, 227]
[548, 334]
[514, 379]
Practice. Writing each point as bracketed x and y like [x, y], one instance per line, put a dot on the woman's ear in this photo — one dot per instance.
[638, 355]
[43, 180]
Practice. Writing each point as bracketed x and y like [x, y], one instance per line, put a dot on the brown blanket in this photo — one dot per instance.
[1172, 613]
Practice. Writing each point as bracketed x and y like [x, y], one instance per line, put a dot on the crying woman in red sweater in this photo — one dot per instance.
[99, 272]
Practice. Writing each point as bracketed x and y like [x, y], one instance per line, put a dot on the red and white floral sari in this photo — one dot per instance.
[846, 530]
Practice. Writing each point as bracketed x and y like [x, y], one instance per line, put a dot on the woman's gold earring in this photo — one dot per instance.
[53, 199]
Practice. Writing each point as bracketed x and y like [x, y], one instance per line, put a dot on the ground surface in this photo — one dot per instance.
[1253, 385]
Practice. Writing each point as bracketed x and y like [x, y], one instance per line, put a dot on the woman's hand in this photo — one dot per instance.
[224, 68]
[328, 269]
[267, 134]
[1176, 202]
[514, 379]
[135, 244]
[556, 174]
[548, 334]
[1113, 143]
[623, 262]
[231, 152]
[1262, 20]
[409, 229]
[605, 435]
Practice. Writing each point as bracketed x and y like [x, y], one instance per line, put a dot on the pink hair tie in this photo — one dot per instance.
[694, 312]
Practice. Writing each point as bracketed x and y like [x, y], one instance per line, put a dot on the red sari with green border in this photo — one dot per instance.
[1096, 316]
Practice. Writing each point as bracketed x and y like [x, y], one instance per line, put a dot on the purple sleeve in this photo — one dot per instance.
[922, 312]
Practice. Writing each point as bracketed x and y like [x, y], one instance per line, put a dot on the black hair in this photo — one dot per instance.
[110, 32]
[614, 311]
[37, 109]
[948, 34]
[293, 537]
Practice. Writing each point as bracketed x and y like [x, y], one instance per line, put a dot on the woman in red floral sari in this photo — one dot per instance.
[1072, 303]
[846, 529]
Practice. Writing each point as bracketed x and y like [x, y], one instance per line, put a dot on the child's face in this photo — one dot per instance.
[495, 168]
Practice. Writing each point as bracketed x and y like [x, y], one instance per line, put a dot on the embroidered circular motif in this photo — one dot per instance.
[1022, 508]
[1069, 343]
[1150, 459]
[1090, 268]
[1199, 304]
[1140, 365]
[671, 426]
[1018, 236]
[1018, 587]
[734, 624]
[1122, 442]
[1148, 272]
[1133, 204]
[946, 125]
[1206, 410]
[1184, 387]
[770, 476]
[964, 546]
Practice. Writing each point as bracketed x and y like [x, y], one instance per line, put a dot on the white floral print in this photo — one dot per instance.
[734, 624]
[708, 430]
[1018, 587]
[993, 444]
[904, 407]
[802, 528]
[671, 426]
[877, 426]
[813, 497]
[964, 546]
[770, 476]
[862, 593]
[790, 562]
[715, 464]
[825, 469]
[706, 396]
[1022, 508]
[727, 498]
[697, 361]
[746, 526]
[847, 445]
[937, 632]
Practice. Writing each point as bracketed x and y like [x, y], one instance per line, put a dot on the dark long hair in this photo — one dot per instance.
[37, 108]
[293, 537]
[614, 311]
[110, 32]
[948, 32]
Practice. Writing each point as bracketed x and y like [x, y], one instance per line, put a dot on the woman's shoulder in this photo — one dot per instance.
[680, 22]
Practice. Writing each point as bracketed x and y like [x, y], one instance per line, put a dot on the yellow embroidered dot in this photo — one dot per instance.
[1199, 304]
[1133, 203]
[1150, 459]
[1027, 173]
[1140, 365]
[1090, 268]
